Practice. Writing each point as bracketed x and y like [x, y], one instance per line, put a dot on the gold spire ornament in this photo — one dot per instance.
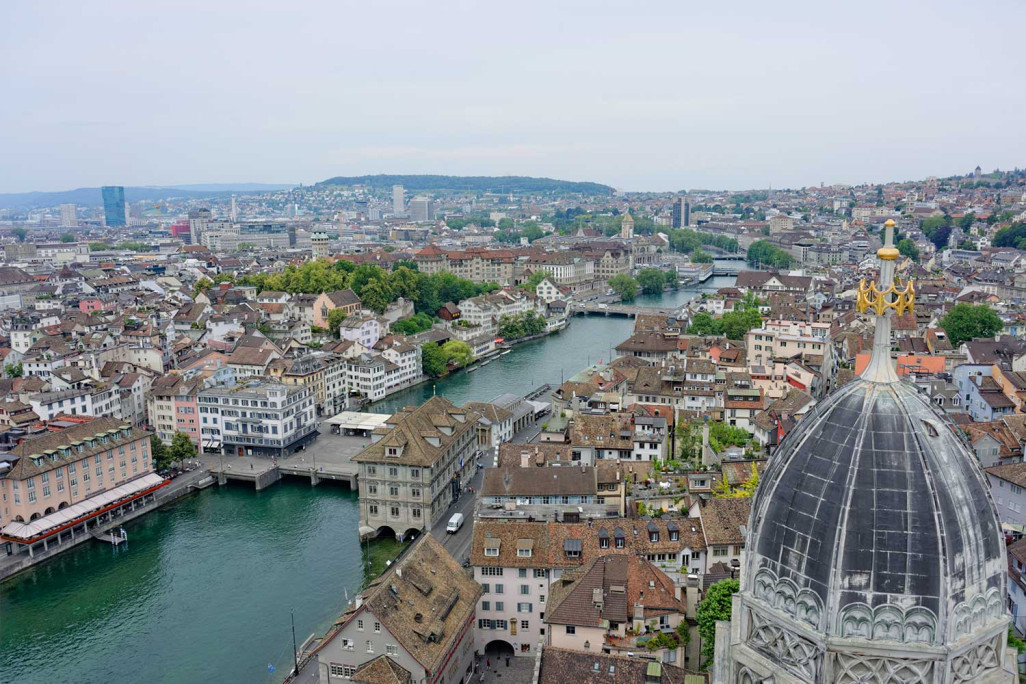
[882, 301]
[871, 297]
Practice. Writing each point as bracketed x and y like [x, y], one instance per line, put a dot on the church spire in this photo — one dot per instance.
[885, 300]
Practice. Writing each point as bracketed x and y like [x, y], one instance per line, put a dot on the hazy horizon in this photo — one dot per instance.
[658, 97]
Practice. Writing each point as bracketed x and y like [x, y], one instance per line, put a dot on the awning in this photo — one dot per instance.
[573, 545]
[82, 509]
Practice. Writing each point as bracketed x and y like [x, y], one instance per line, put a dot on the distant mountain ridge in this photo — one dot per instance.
[500, 184]
[90, 197]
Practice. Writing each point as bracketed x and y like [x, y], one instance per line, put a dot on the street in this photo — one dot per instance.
[458, 544]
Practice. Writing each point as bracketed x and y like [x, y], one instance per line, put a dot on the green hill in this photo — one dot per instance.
[499, 184]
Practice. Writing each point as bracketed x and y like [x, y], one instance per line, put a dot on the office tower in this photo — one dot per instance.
[398, 200]
[198, 220]
[114, 214]
[235, 209]
[681, 213]
[422, 209]
[68, 218]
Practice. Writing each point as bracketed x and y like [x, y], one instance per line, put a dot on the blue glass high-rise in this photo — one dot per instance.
[114, 205]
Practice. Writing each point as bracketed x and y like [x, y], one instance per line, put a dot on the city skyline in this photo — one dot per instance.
[662, 99]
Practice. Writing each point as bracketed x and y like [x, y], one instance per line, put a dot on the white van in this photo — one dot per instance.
[455, 523]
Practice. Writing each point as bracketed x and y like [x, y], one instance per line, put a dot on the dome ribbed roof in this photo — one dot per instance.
[874, 521]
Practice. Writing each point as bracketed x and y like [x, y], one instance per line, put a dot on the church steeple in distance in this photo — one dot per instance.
[627, 225]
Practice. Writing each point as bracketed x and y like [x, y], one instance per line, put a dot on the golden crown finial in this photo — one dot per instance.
[871, 297]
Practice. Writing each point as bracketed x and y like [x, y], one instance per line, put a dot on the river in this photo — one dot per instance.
[205, 587]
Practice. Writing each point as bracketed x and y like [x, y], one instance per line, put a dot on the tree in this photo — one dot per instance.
[908, 248]
[1011, 236]
[689, 440]
[19, 233]
[98, 246]
[651, 280]
[414, 324]
[762, 252]
[202, 285]
[625, 286]
[672, 279]
[704, 324]
[536, 277]
[376, 296]
[532, 231]
[335, 318]
[701, 257]
[966, 222]
[432, 359]
[967, 321]
[67, 237]
[404, 283]
[159, 453]
[13, 370]
[713, 608]
[182, 448]
[459, 353]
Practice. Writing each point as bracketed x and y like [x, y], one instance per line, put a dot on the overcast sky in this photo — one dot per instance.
[639, 95]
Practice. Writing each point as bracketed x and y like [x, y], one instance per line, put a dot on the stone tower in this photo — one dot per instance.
[874, 553]
[627, 225]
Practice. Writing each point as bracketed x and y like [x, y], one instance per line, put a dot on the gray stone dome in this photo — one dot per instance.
[873, 521]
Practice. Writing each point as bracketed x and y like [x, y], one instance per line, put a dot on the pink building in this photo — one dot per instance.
[66, 481]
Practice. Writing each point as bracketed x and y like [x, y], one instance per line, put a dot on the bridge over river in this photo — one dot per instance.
[628, 310]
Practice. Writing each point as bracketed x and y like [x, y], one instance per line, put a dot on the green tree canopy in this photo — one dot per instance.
[713, 608]
[335, 318]
[459, 353]
[1011, 236]
[968, 321]
[625, 286]
[432, 359]
[908, 248]
[376, 296]
[536, 277]
[160, 454]
[19, 233]
[67, 237]
[182, 448]
[651, 280]
[414, 324]
[202, 285]
[14, 370]
[763, 253]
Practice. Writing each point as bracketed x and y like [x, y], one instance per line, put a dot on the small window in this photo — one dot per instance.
[571, 629]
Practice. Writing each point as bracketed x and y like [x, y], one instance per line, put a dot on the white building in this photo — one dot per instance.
[257, 418]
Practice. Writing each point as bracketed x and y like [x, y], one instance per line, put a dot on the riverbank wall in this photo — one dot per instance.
[176, 489]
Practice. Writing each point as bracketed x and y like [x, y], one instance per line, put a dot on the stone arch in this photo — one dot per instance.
[499, 648]
[49, 510]
[62, 506]
[33, 517]
[384, 532]
[411, 533]
[18, 518]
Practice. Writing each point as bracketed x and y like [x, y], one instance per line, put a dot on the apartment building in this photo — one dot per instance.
[257, 418]
[564, 268]
[171, 407]
[420, 460]
[518, 565]
[615, 603]
[413, 623]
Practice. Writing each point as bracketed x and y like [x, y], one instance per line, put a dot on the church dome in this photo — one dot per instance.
[873, 521]
[874, 554]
